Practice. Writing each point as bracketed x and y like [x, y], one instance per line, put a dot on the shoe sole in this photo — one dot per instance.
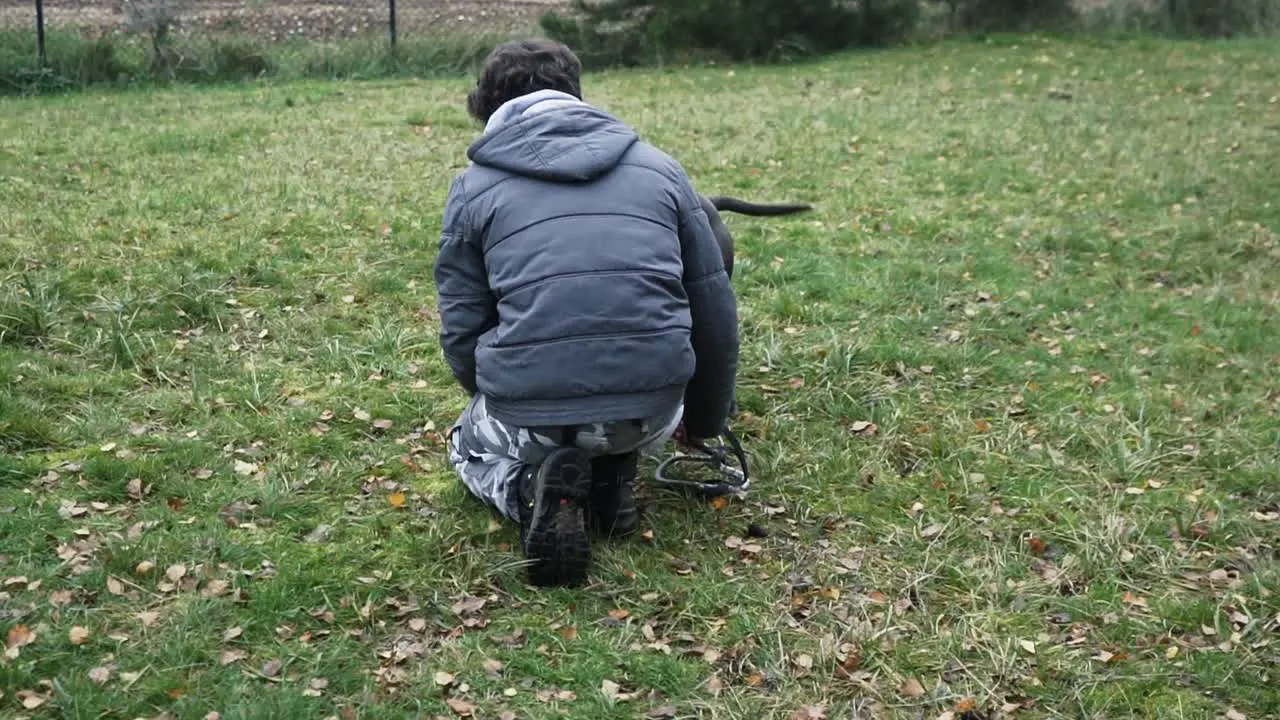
[557, 542]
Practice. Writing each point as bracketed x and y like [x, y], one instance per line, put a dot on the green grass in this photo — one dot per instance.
[1060, 315]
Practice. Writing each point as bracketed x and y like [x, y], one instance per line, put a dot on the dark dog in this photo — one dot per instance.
[713, 205]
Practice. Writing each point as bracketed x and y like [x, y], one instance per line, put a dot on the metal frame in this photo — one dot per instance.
[720, 456]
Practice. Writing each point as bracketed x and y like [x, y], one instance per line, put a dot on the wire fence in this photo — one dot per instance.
[280, 20]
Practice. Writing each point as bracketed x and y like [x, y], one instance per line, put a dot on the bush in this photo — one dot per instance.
[72, 61]
[630, 32]
[1011, 15]
[1220, 18]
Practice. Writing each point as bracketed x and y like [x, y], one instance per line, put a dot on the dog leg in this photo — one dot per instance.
[724, 238]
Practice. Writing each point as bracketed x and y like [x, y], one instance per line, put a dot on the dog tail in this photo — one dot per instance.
[743, 207]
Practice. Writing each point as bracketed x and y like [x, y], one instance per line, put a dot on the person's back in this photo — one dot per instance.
[583, 304]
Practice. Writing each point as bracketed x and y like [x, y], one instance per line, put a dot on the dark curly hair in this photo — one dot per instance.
[520, 67]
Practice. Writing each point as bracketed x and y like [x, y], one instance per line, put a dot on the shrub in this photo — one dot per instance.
[1011, 15]
[628, 32]
[1221, 18]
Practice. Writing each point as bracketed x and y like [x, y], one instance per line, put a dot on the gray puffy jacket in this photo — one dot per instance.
[578, 279]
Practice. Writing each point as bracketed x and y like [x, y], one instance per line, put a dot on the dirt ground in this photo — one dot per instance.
[284, 19]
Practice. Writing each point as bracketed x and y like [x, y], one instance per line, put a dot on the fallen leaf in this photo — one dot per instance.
[863, 427]
[804, 661]
[397, 499]
[460, 707]
[444, 679]
[31, 699]
[912, 688]
[176, 572]
[100, 674]
[58, 598]
[215, 588]
[78, 635]
[619, 614]
[144, 567]
[813, 712]
[226, 657]
[569, 633]
[232, 633]
[382, 424]
[468, 605]
[148, 618]
[19, 636]
[610, 689]
[114, 586]
[932, 531]
[1131, 599]
[647, 536]
[719, 502]
[362, 415]
[244, 468]
[493, 666]
[272, 668]
[852, 661]
[134, 489]
[1234, 714]
[1027, 645]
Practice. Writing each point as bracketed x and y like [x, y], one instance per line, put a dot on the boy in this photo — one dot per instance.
[583, 304]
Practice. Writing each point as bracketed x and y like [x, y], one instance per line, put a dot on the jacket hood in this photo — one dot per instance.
[552, 135]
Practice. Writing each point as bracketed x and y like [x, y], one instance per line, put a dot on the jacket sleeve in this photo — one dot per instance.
[466, 306]
[709, 397]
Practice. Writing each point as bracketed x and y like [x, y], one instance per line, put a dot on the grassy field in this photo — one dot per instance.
[1011, 393]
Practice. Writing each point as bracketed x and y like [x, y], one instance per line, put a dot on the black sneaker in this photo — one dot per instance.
[613, 503]
[553, 536]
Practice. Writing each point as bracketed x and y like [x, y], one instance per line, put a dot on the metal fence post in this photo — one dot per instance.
[392, 24]
[40, 31]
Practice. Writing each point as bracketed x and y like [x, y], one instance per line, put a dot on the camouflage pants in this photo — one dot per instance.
[489, 455]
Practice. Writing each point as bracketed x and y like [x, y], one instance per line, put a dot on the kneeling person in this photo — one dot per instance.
[584, 306]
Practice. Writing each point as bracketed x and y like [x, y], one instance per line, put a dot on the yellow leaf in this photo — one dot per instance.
[396, 499]
[720, 502]
[78, 635]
